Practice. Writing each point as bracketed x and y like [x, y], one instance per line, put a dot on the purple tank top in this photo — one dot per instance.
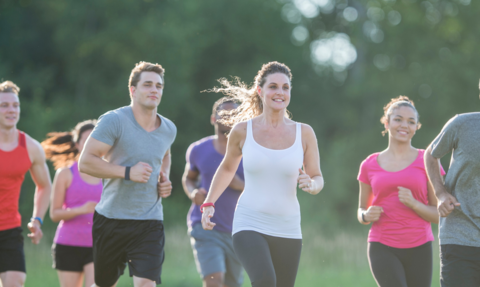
[78, 230]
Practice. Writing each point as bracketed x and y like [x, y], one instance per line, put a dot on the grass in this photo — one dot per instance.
[335, 260]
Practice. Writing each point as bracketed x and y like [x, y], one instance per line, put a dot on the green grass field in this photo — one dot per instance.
[337, 260]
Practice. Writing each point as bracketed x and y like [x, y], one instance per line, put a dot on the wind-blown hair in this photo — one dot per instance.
[250, 103]
[60, 147]
[395, 103]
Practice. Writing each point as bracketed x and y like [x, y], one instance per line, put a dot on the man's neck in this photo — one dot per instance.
[8, 135]
[146, 118]
[220, 143]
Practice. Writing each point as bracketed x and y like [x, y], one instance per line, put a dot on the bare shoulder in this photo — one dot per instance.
[308, 132]
[35, 150]
[64, 173]
[239, 130]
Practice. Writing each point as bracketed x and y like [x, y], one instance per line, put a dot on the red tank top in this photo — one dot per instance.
[13, 166]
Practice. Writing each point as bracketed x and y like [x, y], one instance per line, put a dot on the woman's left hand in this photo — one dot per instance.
[405, 196]
[305, 182]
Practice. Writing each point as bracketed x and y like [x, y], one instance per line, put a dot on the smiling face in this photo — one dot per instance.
[275, 93]
[9, 110]
[403, 123]
[148, 91]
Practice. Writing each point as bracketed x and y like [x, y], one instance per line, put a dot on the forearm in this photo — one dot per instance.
[188, 186]
[427, 212]
[97, 167]
[41, 201]
[65, 214]
[237, 183]
[220, 181]
[360, 211]
[166, 163]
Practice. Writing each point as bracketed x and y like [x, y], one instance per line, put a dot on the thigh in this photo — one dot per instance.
[70, 279]
[12, 278]
[460, 266]
[417, 264]
[145, 252]
[253, 252]
[386, 266]
[285, 254]
[88, 271]
[109, 250]
[12, 256]
[207, 250]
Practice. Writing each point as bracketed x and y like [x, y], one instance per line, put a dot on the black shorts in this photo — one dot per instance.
[71, 258]
[459, 265]
[12, 257]
[118, 242]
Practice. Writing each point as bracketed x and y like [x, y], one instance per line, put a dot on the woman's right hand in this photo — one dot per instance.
[208, 212]
[88, 207]
[373, 213]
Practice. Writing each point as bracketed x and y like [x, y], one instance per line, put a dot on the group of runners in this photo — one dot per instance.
[242, 182]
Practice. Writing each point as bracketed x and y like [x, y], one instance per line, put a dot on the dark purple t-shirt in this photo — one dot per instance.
[204, 158]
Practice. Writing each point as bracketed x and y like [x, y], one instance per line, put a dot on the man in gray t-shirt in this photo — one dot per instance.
[458, 199]
[130, 149]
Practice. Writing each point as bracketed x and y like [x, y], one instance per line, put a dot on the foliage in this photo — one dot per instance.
[72, 60]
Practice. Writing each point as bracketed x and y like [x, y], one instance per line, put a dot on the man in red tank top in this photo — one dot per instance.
[19, 153]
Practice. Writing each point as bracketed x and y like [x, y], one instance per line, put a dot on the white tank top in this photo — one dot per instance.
[269, 204]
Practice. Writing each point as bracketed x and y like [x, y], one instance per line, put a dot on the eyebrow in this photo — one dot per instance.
[151, 82]
[402, 117]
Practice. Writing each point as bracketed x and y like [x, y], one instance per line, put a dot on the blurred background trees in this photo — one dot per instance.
[72, 60]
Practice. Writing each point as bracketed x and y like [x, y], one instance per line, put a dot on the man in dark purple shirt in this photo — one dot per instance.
[213, 250]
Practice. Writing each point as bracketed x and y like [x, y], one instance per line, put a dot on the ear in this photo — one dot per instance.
[213, 120]
[259, 91]
[132, 90]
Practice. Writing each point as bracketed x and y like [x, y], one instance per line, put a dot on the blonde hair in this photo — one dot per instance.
[250, 103]
[9, 87]
[395, 103]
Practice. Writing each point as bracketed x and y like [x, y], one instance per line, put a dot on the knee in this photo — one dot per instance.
[213, 281]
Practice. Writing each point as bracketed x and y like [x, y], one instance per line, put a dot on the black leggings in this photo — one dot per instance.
[401, 267]
[269, 261]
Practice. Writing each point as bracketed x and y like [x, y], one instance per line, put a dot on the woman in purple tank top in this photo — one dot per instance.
[73, 202]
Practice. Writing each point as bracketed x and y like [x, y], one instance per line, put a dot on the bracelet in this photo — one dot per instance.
[363, 217]
[205, 205]
[37, 218]
[127, 173]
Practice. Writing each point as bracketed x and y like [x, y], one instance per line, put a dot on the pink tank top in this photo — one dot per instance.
[78, 230]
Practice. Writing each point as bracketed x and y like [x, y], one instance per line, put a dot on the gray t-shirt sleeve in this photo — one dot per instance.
[446, 141]
[107, 129]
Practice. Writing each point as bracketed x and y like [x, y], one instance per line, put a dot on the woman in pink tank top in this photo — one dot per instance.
[398, 199]
[75, 196]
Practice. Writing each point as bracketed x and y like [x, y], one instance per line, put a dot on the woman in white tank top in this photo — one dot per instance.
[267, 236]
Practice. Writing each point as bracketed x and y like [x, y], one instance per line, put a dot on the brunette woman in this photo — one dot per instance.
[398, 199]
[266, 227]
[73, 202]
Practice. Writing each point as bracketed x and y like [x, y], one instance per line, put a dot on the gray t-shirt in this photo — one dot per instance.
[124, 199]
[462, 136]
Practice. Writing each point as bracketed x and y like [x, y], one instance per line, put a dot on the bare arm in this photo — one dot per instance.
[189, 181]
[428, 212]
[164, 185]
[92, 163]
[41, 178]
[446, 202]
[225, 172]
[370, 213]
[311, 180]
[61, 182]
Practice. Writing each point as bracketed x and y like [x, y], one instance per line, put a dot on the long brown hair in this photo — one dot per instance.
[60, 147]
[395, 103]
[250, 103]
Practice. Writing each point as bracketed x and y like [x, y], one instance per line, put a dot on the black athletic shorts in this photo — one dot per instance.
[71, 258]
[12, 257]
[117, 242]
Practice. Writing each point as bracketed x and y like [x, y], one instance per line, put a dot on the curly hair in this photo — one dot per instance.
[60, 147]
[395, 103]
[250, 103]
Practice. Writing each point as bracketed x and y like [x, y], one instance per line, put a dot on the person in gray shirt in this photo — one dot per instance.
[458, 199]
[130, 149]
